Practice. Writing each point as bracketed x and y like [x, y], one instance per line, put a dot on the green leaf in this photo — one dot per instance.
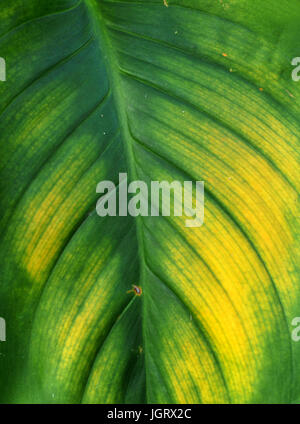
[180, 90]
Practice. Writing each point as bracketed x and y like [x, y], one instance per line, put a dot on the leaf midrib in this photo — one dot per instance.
[117, 92]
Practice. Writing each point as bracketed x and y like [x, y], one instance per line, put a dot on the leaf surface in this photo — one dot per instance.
[198, 90]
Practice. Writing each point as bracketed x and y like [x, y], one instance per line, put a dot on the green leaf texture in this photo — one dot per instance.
[177, 90]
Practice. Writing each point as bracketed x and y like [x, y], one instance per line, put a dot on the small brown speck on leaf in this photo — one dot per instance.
[290, 94]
